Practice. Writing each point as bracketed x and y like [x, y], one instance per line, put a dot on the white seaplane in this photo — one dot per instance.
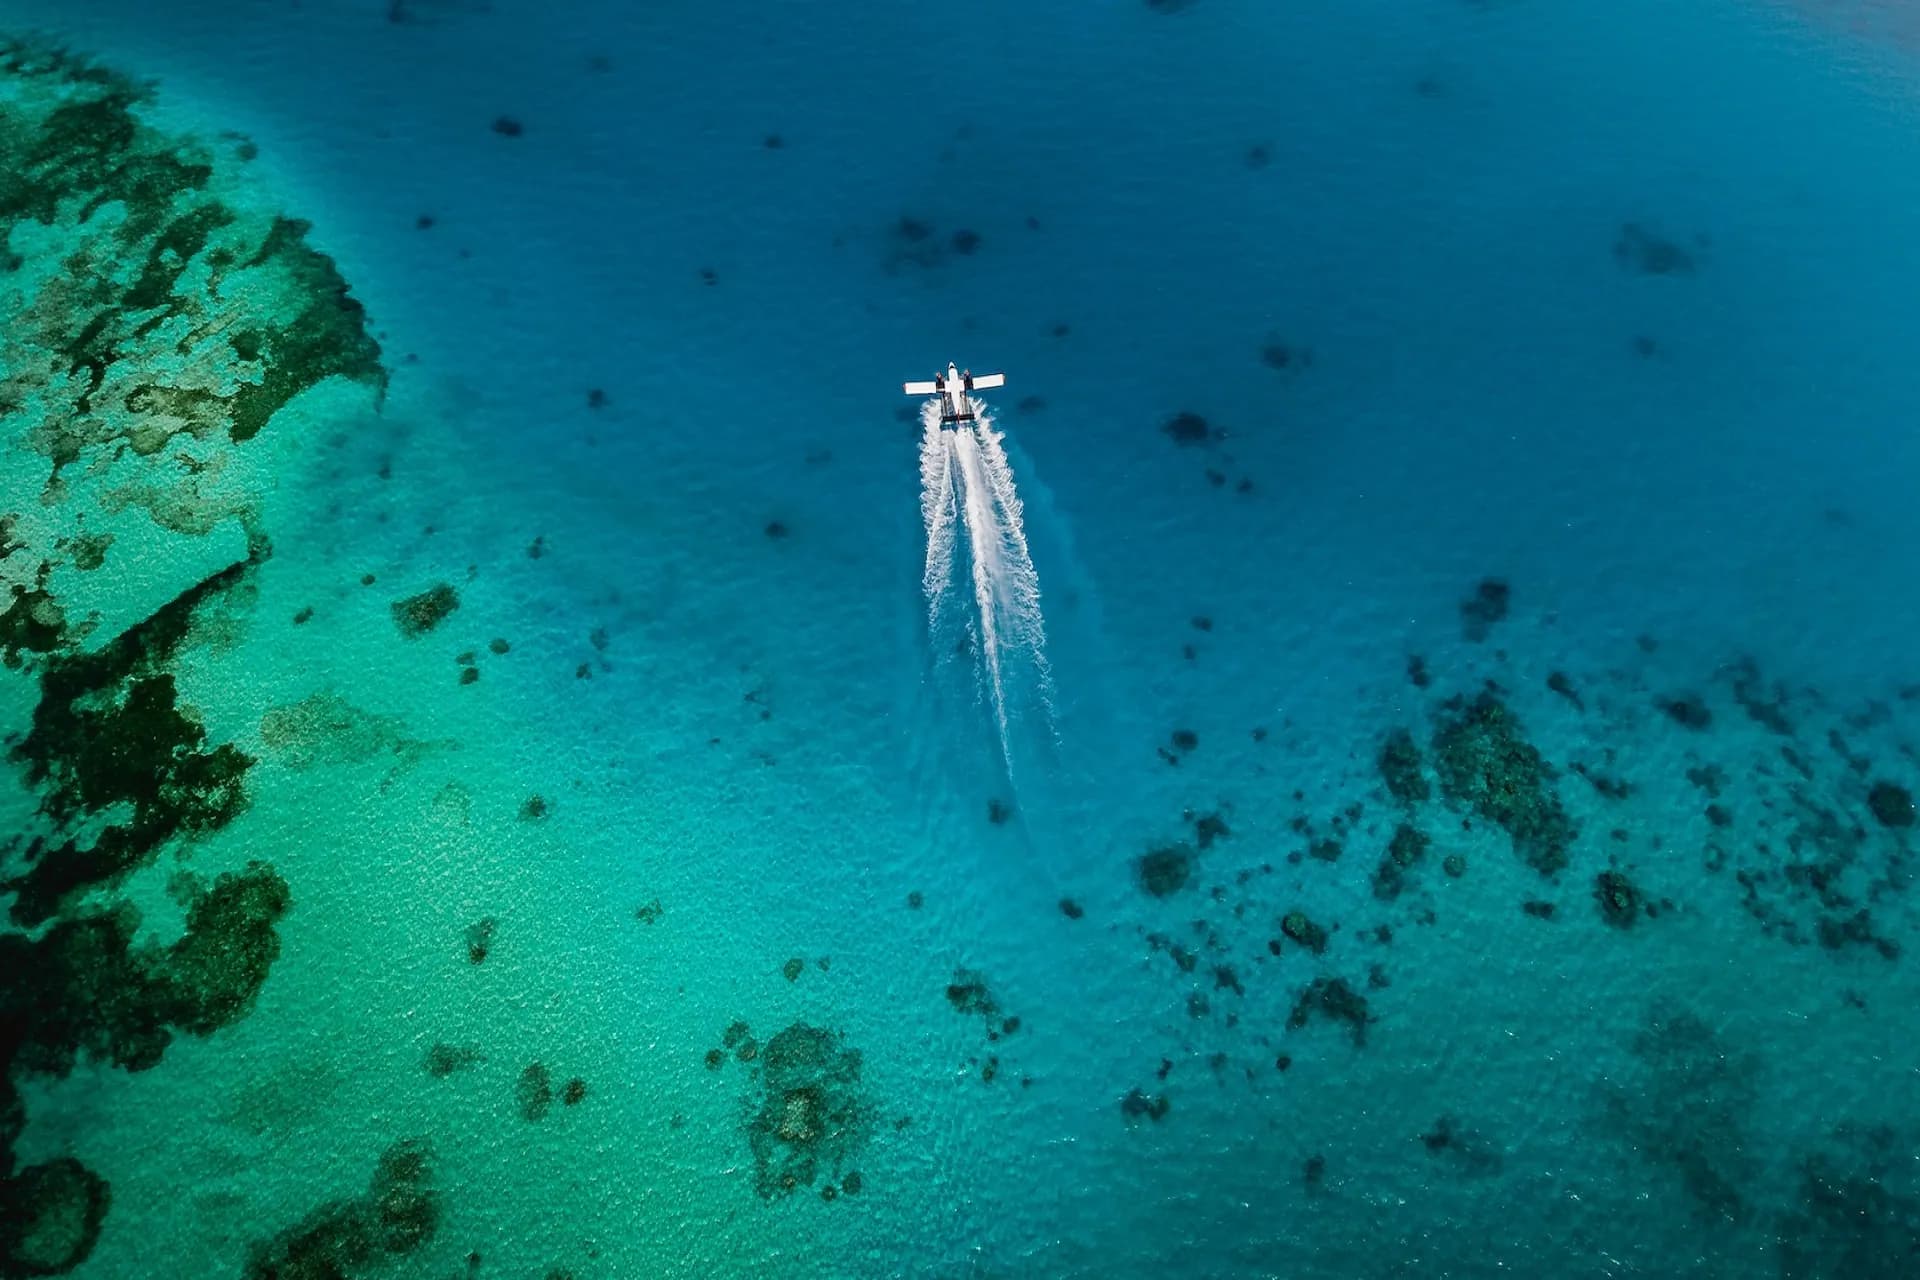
[954, 387]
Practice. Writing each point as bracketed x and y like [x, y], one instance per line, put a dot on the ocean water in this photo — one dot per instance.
[1476, 429]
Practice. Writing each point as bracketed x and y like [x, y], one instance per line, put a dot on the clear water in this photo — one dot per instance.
[1613, 305]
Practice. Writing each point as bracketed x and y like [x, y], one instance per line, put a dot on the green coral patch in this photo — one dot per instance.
[109, 737]
[216, 969]
[399, 1212]
[172, 250]
[327, 337]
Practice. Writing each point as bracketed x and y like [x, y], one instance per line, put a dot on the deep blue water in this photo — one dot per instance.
[1560, 354]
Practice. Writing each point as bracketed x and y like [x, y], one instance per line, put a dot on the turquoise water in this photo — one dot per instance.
[1536, 351]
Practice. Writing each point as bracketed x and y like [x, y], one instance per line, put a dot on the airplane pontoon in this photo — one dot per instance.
[953, 387]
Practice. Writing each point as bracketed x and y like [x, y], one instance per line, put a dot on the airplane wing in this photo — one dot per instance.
[922, 388]
[981, 381]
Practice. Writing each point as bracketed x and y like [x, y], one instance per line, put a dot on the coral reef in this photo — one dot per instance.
[1399, 766]
[83, 990]
[1618, 898]
[1892, 804]
[1486, 763]
[810, 1117]
[399, 1213]
[110, 742]
[1304, 931]
[150, 327]
[1186, 428]
[325, 729]
[479, 938]
[50, 1217]
[1332, 998]
[1470, 1153]
[418, 614]
[1404, 852]
[445, 1059]
[226, 316]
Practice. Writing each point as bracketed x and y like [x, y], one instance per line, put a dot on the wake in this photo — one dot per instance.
[967, 488]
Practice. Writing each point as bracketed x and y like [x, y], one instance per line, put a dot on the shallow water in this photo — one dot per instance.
[1560, 357]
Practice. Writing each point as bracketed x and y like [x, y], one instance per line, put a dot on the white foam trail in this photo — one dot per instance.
[984, 544]
[938, 509]
[1018, 579]
[966, 482]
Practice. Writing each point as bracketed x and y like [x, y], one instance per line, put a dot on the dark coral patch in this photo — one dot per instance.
[1301, 929]
[111, 743]
[1486, 606]
[1140, 1105]
[1646, 252]
[1404, 852]
[480, 939]
[418, 614]
[811, 1117]
[1187, 429]
[1486, 763]
[1399, 765]
[1165, 871]
[533, 1092]
[1687, 710]
[445, 1059]
[1332, 998]
[1618, 898]
[399, 1213]
[215, 970]
[50, 1217]
[1892, 804]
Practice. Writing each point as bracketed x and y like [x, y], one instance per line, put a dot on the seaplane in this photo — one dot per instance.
[953, 387]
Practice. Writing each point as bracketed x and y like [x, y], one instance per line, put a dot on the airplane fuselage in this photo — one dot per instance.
[954, 388]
